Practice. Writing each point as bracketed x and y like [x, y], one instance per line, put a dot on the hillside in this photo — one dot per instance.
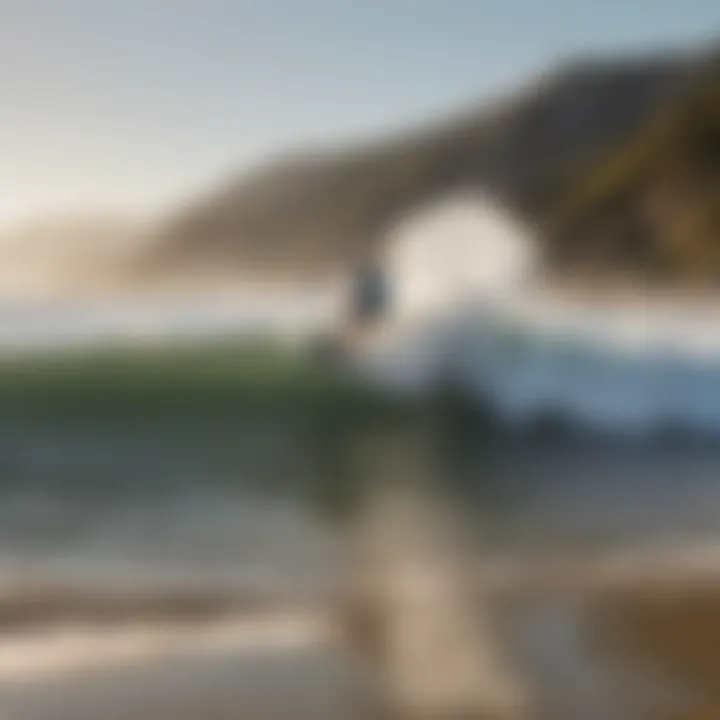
[651, 208]
[313, 211]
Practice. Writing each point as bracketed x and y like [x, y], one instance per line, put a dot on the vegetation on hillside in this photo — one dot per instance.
[653, 206]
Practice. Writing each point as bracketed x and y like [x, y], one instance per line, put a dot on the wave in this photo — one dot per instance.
[472, 304]
[604, 370]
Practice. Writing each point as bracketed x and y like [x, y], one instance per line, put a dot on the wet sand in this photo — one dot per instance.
[261, 681]
[671, 634]
[287, 685]
[660, 641]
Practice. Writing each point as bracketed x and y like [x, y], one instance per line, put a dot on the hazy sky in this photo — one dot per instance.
[134, 103]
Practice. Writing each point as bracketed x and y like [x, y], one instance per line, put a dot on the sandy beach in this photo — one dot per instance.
[278, 669]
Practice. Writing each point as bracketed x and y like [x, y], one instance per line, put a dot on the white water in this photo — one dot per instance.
[72, 321]
[468, 306]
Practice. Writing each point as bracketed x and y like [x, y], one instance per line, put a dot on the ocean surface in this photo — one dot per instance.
[67, 320]
[219, 496]
[177, 529]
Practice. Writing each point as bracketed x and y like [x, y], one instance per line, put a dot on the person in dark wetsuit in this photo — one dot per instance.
[371, 298]
[369, 302]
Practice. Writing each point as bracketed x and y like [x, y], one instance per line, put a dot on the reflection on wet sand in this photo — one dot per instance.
[672, 633]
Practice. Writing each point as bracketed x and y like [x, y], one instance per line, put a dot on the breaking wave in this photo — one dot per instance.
[486, 317]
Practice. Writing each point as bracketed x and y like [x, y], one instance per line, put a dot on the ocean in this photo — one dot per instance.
[159, 550]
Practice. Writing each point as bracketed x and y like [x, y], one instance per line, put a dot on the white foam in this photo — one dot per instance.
[46, 654]
[469, 305]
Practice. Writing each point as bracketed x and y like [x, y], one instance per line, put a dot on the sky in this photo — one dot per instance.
[138, 104]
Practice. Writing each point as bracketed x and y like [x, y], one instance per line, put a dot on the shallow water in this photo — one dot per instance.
[132, 520]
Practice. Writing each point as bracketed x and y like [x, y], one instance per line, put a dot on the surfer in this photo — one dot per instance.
[369, 303]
